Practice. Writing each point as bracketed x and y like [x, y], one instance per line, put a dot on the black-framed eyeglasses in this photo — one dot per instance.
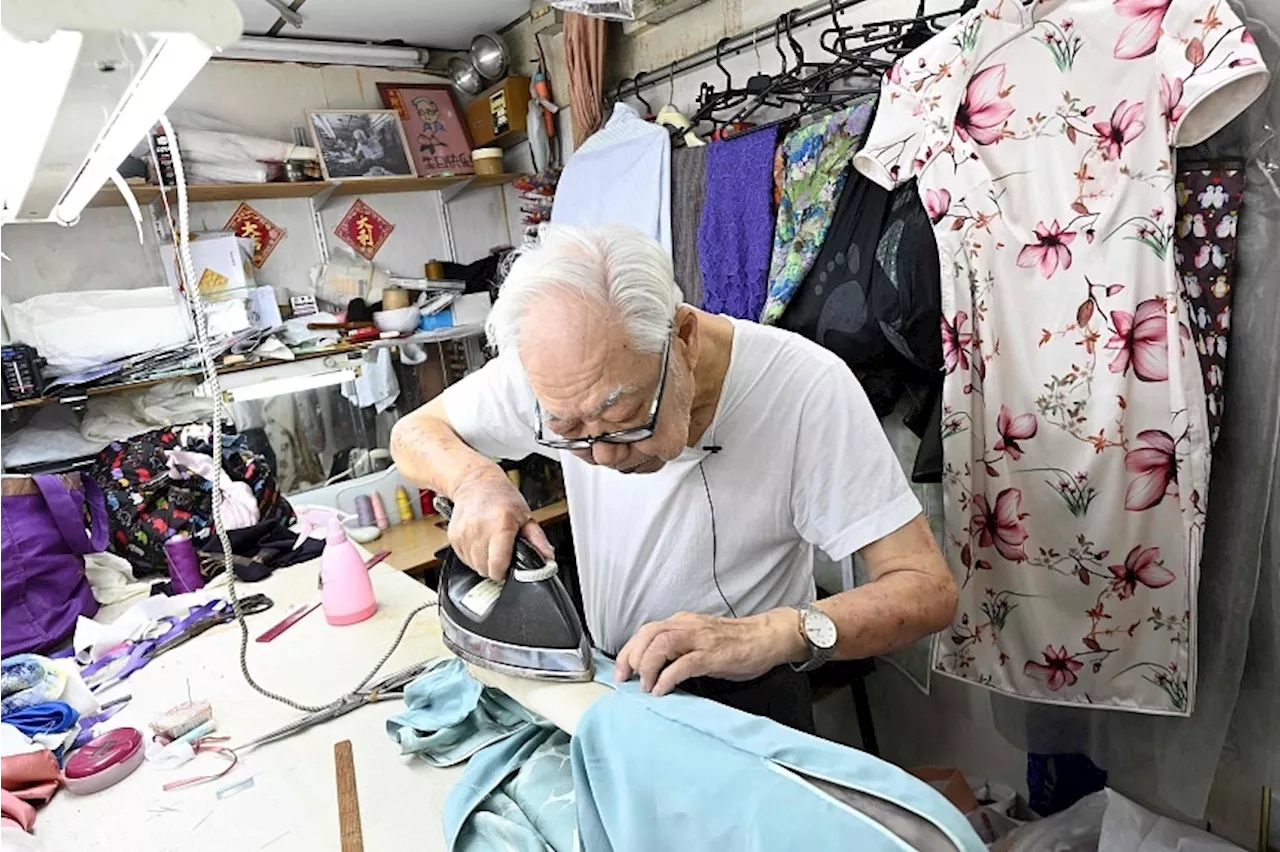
[621, 436]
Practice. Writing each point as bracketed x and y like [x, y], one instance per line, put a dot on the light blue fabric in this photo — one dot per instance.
[680, 772]
[516, 794]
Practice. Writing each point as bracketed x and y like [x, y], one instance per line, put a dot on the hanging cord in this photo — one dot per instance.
[210, 370]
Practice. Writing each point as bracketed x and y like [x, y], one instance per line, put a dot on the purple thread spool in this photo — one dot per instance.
[184, 567]
[364, 509]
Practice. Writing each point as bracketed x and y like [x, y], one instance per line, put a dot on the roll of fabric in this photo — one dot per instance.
[584, 47]
[735, 235]
[688, 195]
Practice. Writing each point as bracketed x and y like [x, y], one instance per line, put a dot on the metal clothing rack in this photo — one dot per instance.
[732, 47]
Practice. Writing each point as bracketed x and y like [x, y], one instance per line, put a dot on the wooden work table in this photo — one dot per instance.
[291, 803]
[414, 544]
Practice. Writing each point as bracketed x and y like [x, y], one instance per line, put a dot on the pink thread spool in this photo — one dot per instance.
[184, 566]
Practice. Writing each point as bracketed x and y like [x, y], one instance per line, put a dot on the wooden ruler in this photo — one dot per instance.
[348, 803]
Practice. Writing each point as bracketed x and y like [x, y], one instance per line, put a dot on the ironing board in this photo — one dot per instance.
[291, 802]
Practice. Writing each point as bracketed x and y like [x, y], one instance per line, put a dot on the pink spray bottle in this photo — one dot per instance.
[346, 591]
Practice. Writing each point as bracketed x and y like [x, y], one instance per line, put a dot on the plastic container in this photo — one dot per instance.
[488, 161]
[104, 761]
[346, 592]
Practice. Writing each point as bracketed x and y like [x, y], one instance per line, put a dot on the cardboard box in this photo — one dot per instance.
[221, 261]
[950, 783]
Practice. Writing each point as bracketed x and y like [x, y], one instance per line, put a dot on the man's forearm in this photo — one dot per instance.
[427, 451]
[875, 618]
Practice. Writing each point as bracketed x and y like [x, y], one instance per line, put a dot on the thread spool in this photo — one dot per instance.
[364, 511]
[379, 511]
[403, 504]
[184, 567]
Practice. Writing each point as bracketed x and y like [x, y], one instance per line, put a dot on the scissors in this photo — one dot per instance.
[390, 687]
[172, 633]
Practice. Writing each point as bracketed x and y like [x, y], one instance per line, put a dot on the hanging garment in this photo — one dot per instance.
[688, 193]
[621, 175]
[1075, 433]
[736, 232]
[585, 40]
[1205, 252]
[872, 294]
[814, 165]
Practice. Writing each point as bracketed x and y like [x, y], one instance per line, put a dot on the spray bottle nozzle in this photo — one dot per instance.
[310, 517]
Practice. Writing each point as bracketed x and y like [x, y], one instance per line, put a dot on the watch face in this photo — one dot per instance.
[820, 629]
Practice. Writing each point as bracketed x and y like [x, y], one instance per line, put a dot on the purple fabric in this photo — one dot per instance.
[43, 588]
[735, 236]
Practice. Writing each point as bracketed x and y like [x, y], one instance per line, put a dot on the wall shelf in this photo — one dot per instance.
[146, 193]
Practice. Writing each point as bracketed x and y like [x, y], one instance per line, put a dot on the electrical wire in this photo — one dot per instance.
[210, 371]
[712, 506]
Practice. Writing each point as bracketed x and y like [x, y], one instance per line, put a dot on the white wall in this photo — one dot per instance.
[269, 99]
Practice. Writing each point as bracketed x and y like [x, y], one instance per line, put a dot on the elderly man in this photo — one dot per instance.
[704, 458]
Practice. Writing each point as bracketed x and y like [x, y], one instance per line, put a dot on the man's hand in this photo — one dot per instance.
[488, 514]
[667, 652]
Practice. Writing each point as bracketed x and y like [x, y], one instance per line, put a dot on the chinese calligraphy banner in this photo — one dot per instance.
[363, 229]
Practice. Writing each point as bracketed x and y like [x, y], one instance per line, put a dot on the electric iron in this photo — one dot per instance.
[525, 627]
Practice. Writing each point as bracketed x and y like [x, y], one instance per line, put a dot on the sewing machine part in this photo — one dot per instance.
[105, 761]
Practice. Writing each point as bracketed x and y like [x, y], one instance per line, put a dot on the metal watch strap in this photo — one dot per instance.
[817, 656]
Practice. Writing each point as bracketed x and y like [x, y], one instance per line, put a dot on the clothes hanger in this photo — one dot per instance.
[648, 110]
[676, 122]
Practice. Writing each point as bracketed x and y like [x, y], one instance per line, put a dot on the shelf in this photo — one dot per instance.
[72, 395]
[146, 193]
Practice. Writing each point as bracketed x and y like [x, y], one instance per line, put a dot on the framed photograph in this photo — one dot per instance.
[435, 129]
[360, 144]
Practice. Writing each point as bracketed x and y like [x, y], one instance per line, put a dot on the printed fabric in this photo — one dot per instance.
[735, 235]
[815, 161]
[1205, 251]
[1076, 441]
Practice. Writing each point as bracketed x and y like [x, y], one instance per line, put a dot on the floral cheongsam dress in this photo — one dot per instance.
[1076, 445]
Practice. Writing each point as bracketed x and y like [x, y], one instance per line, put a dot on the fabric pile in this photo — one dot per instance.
[45, 709]
[529, 787]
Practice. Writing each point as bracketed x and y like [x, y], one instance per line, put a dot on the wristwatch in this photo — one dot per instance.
[819, 632]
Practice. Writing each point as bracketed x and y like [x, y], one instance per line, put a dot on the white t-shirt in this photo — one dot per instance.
[803, 463]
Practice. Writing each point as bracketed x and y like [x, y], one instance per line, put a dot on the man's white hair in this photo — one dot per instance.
[614, 266]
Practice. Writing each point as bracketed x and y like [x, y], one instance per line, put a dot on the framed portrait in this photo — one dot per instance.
[360, 144]
[437, 134]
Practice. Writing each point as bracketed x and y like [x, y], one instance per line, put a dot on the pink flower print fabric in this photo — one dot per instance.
[1075, 428]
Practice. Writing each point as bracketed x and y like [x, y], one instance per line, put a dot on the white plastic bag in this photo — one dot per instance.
[1129, 827]
[76, 331]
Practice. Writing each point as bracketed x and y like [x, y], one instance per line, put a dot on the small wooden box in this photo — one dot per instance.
[499, 114]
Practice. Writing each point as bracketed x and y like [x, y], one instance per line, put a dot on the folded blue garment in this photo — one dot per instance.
[52, 717]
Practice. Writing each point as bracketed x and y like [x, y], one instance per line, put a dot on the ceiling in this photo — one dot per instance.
[448, 24]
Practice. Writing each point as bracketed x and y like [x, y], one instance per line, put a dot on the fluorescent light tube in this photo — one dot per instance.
[290, 384]
[36, 97]
[325, 52]
[172, 63]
